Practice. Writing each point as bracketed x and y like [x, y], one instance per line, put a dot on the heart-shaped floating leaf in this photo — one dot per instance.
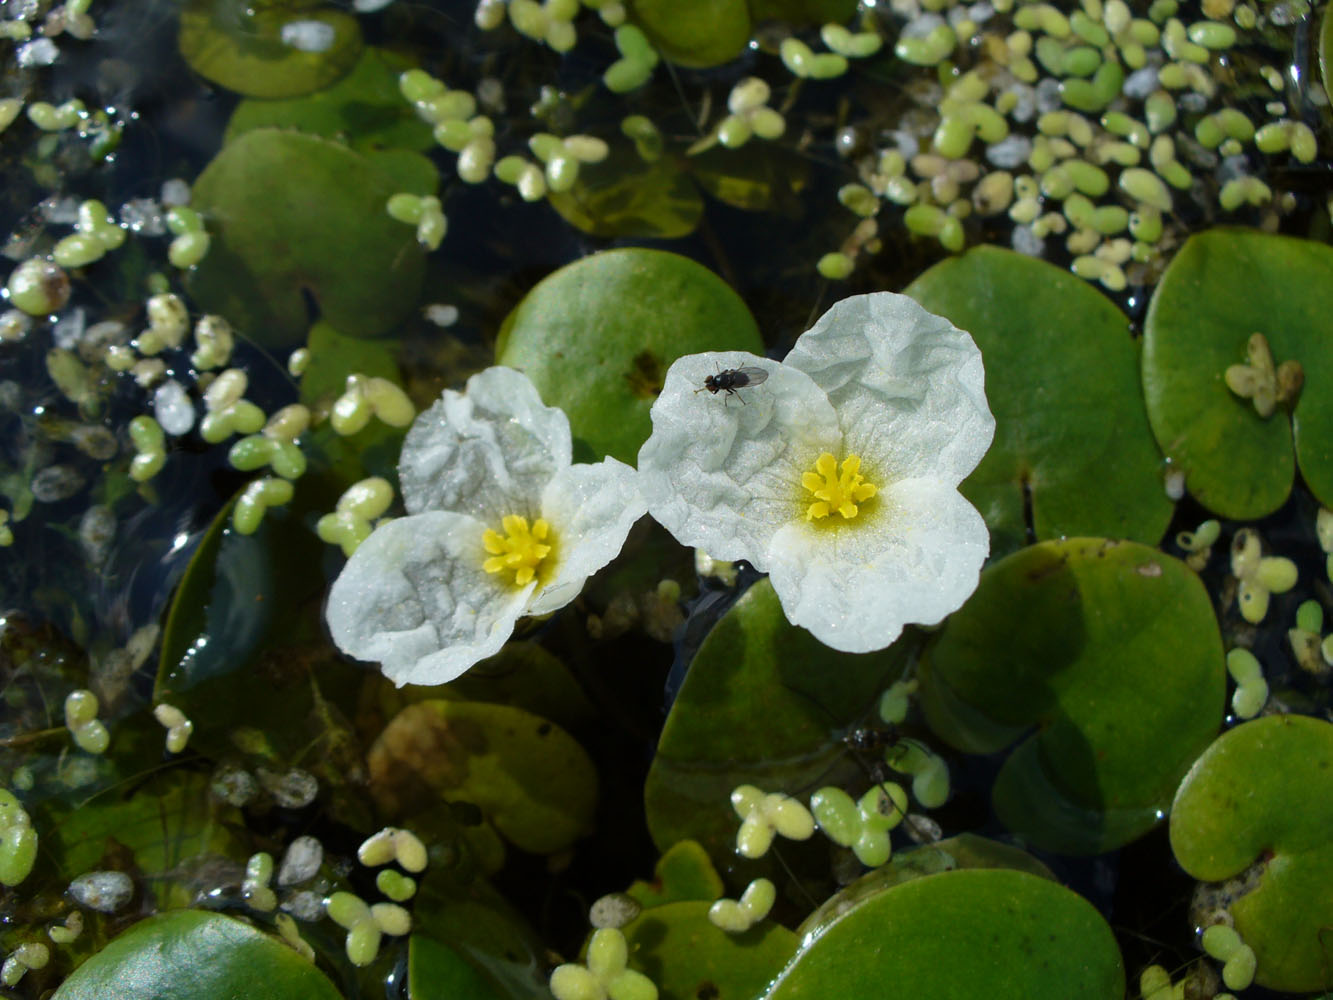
[1221, 288]
[271, 49]
[622, 196]
[597, 336]
[686, 956]
[193, 955]
[1258, 806]
[1112, 652]
[1062, 378]
[365, 109]
[529, 777]
[684, 871]
[695, 33]
[761, 704]
[981, 932]
[294, 214]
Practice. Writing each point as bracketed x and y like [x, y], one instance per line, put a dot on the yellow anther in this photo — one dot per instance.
[834, 491]
[519, 548]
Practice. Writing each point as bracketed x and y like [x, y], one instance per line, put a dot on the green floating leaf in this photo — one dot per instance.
[995, 933]
[684, 871]
[1062, 380]
[1223, 286]
[964, 851]
[687, 956]
[1262, 796]
[760, 705]
[193, 955]
[294, 214]
[529, 778]
[597, 336]
[468, 942]
[695, 33]
[1111, 650]
[255, 48]
[364, 109]
[623, 196]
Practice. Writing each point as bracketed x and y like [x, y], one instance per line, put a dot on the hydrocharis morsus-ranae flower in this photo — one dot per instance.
[838, 474]
[500, 524]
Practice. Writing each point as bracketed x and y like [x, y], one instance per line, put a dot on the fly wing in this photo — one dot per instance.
[753, 375]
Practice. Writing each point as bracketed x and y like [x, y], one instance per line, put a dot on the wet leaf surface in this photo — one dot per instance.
[1224, 285]
[1024, 937]
[762, 704]
[194, 955]
[1262, 795]
[1103, 662]
[250, 49]
[294, 215]
[1062, 379]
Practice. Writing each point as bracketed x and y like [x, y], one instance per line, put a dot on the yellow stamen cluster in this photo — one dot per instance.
[520, 548]
[836, 491]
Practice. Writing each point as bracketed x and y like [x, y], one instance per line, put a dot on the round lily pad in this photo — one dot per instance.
[365, 109]
[1108, 650]
[597, 336]
[1000, 934]
[695, 33]
[1258, 807]
[268, 49]
[295, 215]
[687, 956]
[1223, 286]
[529, 777]
[193, 955]
[762, 704]
[1062, 379]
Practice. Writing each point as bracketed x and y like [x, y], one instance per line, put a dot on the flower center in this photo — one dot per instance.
[834, 490]
[520, 548]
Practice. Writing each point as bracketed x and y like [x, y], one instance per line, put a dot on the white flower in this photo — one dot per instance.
[499, 525]
[838, 474]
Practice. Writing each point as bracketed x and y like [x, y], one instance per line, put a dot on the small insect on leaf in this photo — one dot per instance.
[732, 379]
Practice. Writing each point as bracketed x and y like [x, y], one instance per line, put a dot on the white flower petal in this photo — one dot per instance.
[414, 598]
[487, 452]
[915, 559]
[721, 473]
[590, 509]
[908, 386]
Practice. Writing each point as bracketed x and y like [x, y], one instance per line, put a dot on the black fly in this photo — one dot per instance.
[731, 379]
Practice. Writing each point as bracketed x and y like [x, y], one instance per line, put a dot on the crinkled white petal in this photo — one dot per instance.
[916, 558]
[488, 452]
[908, 386]
[590, 509]
[414, 598]
[723, 473]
